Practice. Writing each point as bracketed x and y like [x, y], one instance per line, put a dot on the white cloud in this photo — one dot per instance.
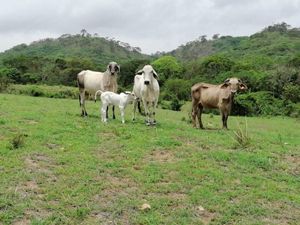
[157, 25]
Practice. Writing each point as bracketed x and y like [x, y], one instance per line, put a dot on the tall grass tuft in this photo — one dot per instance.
[241, 136]
[18, 141]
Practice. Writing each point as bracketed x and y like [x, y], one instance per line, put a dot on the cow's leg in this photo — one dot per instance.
[150, 108]
[224, 115]
[200, 110]
[153, 112]
[194, 113]
[134, 109]
[145, 103]
[82, 102]
[139, 108]
[224, 119]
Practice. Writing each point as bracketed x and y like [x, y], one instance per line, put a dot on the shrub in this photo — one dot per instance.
[257, 103]
[44, 91]
[176, 104]
[176, 88]
[4, 83]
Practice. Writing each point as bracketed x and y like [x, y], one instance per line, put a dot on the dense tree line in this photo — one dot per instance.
[268, 62]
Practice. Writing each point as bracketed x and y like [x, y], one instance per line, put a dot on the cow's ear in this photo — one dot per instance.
[243, 86]
[140, 72]
[155, 74]
[118, 68]
[225, 85]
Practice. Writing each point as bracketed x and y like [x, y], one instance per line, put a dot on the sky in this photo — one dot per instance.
[152, 25]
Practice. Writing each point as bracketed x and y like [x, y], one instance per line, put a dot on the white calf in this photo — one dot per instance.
[111, 98]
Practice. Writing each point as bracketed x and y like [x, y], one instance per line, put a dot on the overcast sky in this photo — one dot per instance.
[153, 25]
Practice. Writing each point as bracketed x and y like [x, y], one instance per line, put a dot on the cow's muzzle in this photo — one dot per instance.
[146, 82]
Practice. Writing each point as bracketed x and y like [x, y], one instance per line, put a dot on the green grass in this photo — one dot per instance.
[73, 170]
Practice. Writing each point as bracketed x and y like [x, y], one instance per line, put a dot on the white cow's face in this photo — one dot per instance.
[148, 74]
[113, 68]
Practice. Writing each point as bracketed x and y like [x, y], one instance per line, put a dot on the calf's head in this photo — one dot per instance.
[130, 95]
[148, 74]
[234, 84]
[113, 68]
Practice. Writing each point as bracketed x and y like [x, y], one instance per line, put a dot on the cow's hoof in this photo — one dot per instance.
[148, 123]
[153, 123]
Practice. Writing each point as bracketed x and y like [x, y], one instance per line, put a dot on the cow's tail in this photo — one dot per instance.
[99, 91]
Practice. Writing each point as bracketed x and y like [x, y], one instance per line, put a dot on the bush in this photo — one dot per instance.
[176, 104]
[4, 83]
[257, 103]
[44, 91]
[291, 92]
[177, 88]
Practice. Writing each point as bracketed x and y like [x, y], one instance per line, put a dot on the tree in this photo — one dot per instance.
[83, 32]
[203, 38]
[215, 36]
[167, 67]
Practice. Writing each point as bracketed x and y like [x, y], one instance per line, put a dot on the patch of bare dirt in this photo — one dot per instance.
[31, 214]
[52, 145]
[293, 162]
[107, 200]
[282, 213]
[161, 155]
[30, 122]
[23, 221]
[39, 163]
[204, 215]
[188, 142]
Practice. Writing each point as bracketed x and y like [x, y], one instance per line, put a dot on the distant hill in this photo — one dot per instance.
[100, 50]
[278, 41]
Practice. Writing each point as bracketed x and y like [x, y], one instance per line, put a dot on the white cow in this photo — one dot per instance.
[91, 81]
[111, 98]
[146, 89]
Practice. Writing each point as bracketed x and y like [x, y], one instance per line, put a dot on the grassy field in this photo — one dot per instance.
[59, 168]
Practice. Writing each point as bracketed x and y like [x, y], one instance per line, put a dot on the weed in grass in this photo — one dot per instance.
[241, 136]
[18, 141]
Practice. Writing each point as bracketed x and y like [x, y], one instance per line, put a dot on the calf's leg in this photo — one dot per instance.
[122, 114]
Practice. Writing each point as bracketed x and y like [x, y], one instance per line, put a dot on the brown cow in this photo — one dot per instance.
[214, 96]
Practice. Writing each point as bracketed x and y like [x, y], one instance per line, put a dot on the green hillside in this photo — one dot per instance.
[100, 50]
[279, 41]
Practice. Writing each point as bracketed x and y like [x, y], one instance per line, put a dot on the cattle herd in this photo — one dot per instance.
[146, 91]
